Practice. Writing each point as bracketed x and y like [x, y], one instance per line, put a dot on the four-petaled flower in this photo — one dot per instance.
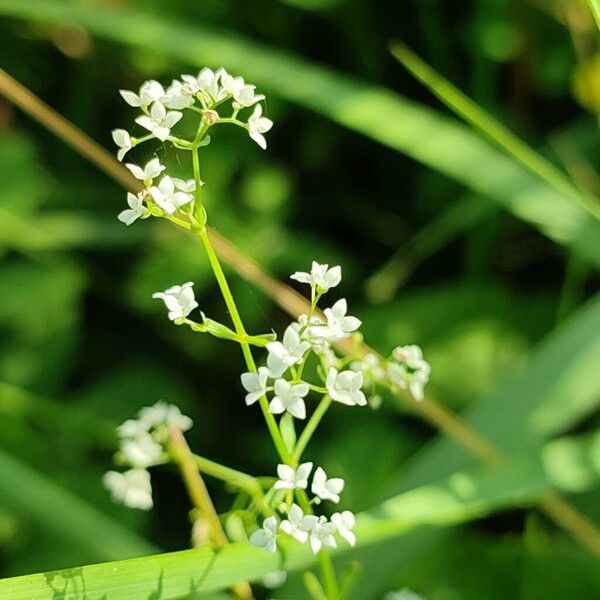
[255, 384]
[405, 377]
[168, 197]
[151, 91]
[152, 169]
[257, 125]
[344, 524]
[290, 478]
[266, 537]
[160, 121]
[289, 397]
[298, 524]
[137, 209]
[411, 355]
[123, 140]
[141, 451]
[326, 489]
[177, 96]
[322, 535]
[286, 353]
[132, 488]
[345, 387]
[338, 324]
[179, 300]
[321, 277]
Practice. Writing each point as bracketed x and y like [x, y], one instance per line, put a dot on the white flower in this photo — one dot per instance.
[274, 579]
[132, 488]
[132, 428]
[267, 536]
[257, 125]
[177, 96]
[338, 324]
[207, 82]
[344, 524]
[371, 367]
[255, 384]
[322, 535]
[411, 355]
[290, 478]
[326, 489]
[286, 353]
[123, 140]
[152, 169]
[162, 413]
[345, 387]
[313, 332]
[298, 524]
[160, 121]
[141, 451]
[166, 196]
[151, 91]
[137, 209]
[179, 300]
[288, 397]
[243, 93]
[185, 185]
[320, 276]
[404, 377]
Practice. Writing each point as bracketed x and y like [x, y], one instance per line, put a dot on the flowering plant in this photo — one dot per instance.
[302, 375]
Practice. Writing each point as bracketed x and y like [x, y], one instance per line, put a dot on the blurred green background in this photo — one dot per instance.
[444, 242]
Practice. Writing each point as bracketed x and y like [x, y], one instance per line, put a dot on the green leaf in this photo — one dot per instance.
[54, 508]
[462, 497]
[553, 390]
[421, 133]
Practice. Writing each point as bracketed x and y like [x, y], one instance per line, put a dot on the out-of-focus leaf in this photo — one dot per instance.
[552, 390]
[54, 508]
[425, 135]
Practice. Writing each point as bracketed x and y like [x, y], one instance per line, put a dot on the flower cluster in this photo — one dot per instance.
[205, 94]
[409, 370]
[141, 446]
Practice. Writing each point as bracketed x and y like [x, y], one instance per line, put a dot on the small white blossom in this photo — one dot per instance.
[322, 535]
[132, 428]
[404, 377]
[371, 367]
[321, 277]
[151, 91]
[344, 524]
[338, 324]
[298, 524]
[179, 300]
[290, 478]
[160, 121]
[207, 82]
[152, 169]
[255, 384]
[132, 488]
[257, 125]
[411, 355]
[314, 332]
[162, 413]
[286, 353]
[137, 209]
[141, 451]
[289, 397]
[168, 197]
[243, 93]
[185, 185]
[326, 489]
[123, 140]
[345, 387]
[274, 579]
[177, 96]
[267, 536]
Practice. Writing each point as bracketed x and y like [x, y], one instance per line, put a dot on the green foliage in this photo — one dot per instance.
[477, 241]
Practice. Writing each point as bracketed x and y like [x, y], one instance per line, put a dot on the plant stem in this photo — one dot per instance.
[186, 461]
[311, 426]
[246, 351]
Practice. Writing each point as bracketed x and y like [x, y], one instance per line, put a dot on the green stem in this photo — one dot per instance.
[311, 426]
[246, 351]
[329, 578]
